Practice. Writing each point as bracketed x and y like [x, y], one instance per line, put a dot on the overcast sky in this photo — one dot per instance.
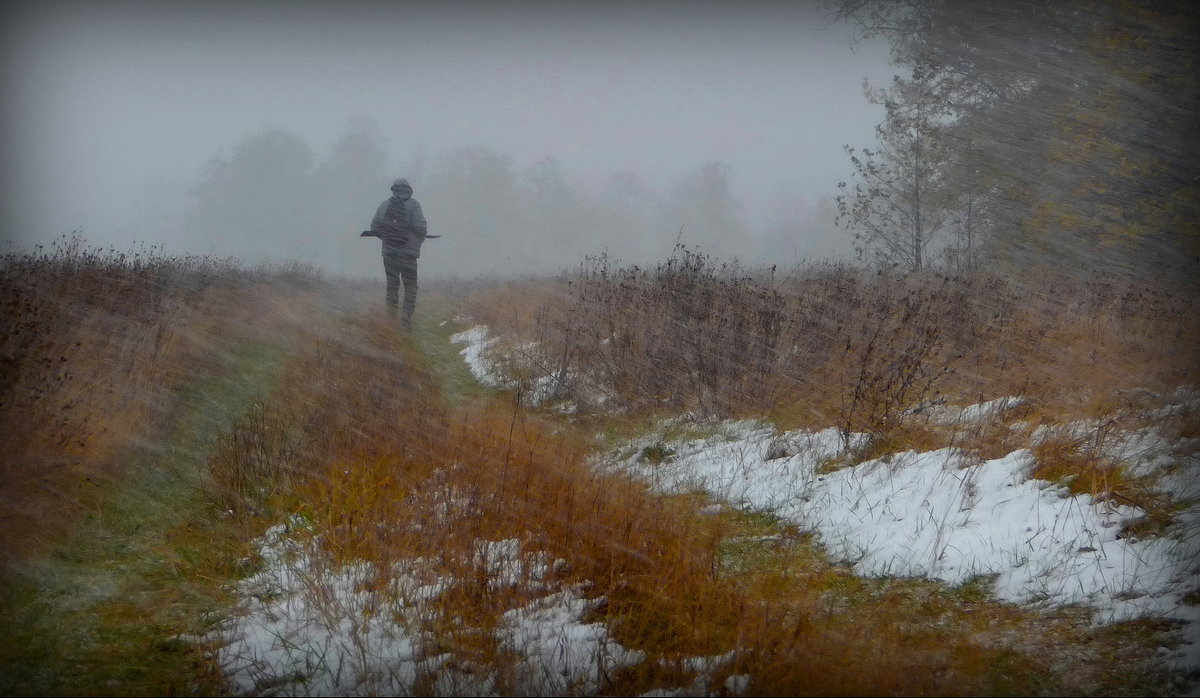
[113, 108]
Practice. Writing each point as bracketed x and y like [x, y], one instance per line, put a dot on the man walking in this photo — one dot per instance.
[401, 225]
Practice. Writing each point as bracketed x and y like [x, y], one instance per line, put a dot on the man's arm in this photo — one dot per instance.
[376, 222]
[380, 212]
[416, 218]
[419, 224]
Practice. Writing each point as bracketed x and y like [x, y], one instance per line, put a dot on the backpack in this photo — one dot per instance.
[396, 223]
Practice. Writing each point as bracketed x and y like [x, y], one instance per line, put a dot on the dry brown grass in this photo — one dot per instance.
[97, 343]
[522, 306]
[1077, 346]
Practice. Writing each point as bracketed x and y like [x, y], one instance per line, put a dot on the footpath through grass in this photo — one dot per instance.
[107, 612]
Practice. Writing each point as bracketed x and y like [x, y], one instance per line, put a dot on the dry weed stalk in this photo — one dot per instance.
[828, 344]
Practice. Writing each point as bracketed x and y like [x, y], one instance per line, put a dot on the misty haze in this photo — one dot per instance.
[600, 348]
[535, 134]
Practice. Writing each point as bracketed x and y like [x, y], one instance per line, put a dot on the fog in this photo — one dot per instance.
[533, 133]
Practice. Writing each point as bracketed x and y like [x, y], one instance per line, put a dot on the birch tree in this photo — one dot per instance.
[894, 205]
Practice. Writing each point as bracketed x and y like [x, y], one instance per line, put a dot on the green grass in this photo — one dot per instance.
[104, 612]
[432, 329]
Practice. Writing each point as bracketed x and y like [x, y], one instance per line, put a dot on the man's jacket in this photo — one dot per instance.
[401, 224]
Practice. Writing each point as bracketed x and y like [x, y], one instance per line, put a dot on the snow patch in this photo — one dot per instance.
[520, 368]
[308, 627]
[942, 516]
[477, 343]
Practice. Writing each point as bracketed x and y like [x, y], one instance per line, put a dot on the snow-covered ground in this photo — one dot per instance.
[476, 343]
[940, 516]
[539, 386]
[523, 367]
[308, 627]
